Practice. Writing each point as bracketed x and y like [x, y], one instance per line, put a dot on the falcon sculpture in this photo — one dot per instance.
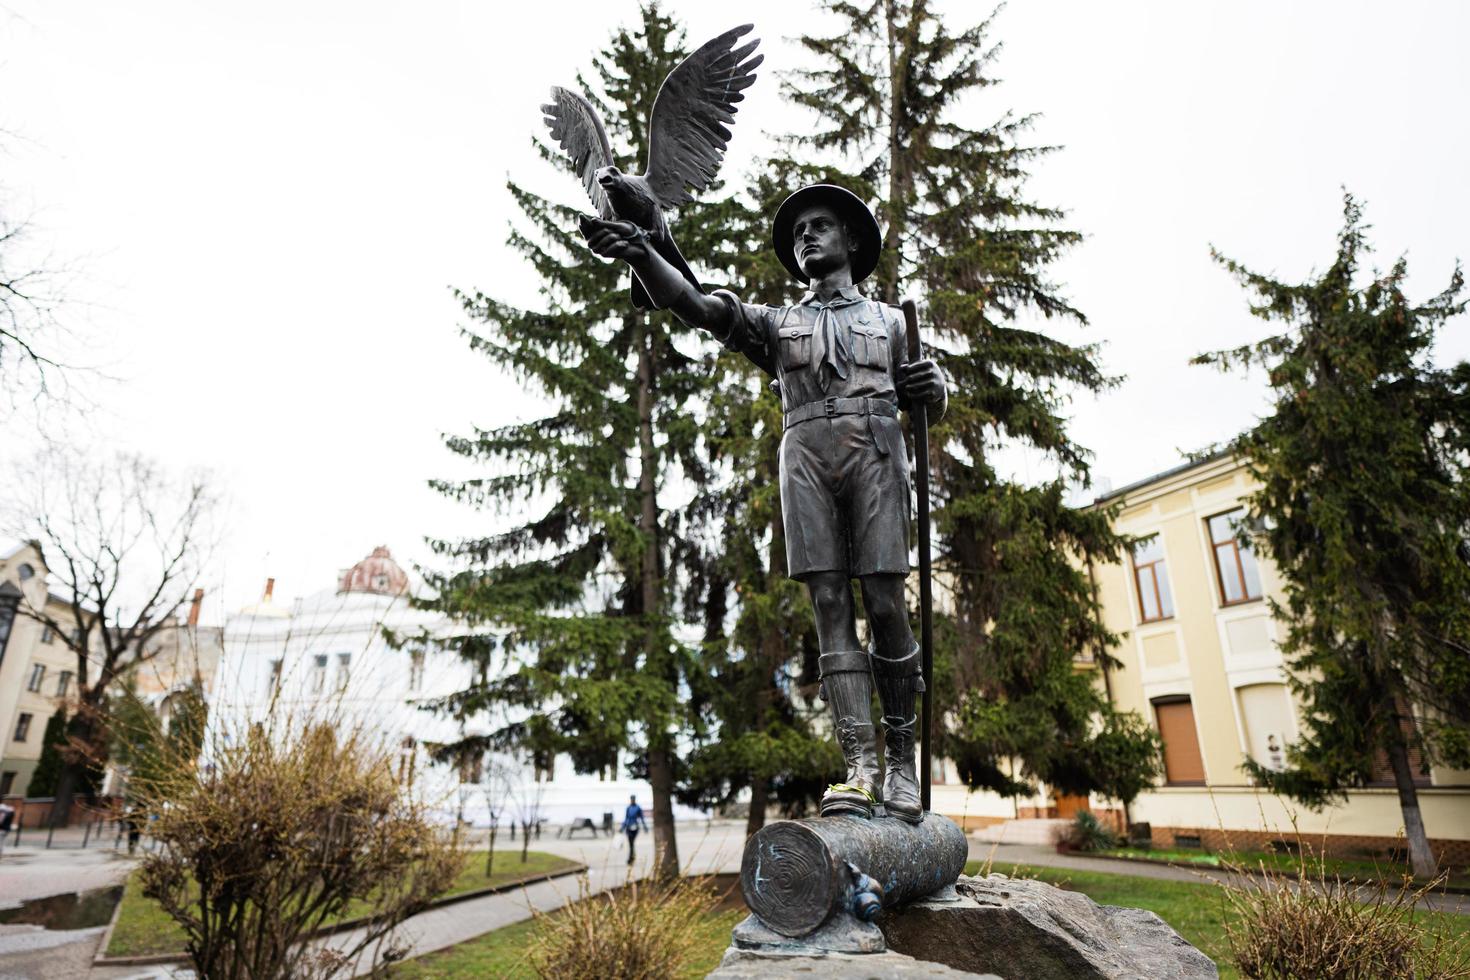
[687, 137]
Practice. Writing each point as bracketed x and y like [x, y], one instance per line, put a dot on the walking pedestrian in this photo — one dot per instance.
[632, 821]
[7, 817]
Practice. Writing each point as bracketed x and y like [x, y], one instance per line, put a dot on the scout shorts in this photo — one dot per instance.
[845, 496]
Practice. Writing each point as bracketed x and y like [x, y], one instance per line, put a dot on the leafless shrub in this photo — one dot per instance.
[285, 830]
[646, 930]
[1314, 926]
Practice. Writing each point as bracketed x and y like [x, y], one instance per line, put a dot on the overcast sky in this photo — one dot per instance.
[269, 202]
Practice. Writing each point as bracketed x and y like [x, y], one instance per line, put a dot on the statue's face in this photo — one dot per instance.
[821, 241]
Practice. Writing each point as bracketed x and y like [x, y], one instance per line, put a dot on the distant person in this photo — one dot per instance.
[134, 821]
[632, 821]
[7, 817]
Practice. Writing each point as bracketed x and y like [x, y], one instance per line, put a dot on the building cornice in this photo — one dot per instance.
[1177, 478]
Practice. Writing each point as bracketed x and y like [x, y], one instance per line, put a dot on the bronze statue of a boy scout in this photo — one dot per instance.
[841, 363]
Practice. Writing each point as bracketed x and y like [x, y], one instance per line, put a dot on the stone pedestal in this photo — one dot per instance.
[998, 928]
[1029, 930]
[748, 964]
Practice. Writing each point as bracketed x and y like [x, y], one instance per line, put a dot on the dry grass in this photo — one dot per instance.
[642, 931]
[1313, 925]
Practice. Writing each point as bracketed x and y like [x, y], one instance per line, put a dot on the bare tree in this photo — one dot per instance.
[124, 544]
[526, 796]
[32, 335]
[497, 785]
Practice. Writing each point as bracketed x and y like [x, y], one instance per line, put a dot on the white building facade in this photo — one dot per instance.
[327, 657]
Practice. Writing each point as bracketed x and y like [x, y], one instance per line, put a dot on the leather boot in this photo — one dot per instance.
[847, 685]
[899, 683]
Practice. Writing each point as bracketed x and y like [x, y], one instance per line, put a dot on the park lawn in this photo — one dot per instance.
[144, 929]
[503, 953]
[1360, 869]
[1195, 911]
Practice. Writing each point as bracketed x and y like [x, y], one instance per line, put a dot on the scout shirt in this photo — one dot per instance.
[844, 469]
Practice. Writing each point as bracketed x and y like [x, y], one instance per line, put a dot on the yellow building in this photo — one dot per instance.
[37, 669]
[1201, 661]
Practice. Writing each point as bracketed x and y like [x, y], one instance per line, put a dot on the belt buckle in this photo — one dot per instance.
[829, 406]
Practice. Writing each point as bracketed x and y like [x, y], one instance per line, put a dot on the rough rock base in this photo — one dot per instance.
[751, 964]
[1029, 930]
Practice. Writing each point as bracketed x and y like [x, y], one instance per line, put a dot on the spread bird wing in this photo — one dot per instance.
[576, 126]
[687, 132]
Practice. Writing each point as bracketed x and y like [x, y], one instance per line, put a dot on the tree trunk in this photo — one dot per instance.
[759, 799]
[1421, 858]
[80, 731]
[661, 778]
[660, 744]
[899, 58]
[65, 790]
[525, 840]
[490, 854]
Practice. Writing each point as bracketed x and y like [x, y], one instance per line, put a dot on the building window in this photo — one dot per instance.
[25, 573]
[38, 674]
[1265, 715]
[48, 636]
[1183, 764]
[7, 782]
[406, 756]
[415, 670]
[1155, 601]
[319, 676]
[471, 769]
[1235, 565]
[273, 682]
[63, 684]
[344, 670]
[1382, 771]
[22, 727]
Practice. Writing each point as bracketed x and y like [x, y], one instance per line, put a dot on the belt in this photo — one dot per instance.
[831, 407]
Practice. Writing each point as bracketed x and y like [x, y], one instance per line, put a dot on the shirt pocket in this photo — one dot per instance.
[796, 347]
[870, 345]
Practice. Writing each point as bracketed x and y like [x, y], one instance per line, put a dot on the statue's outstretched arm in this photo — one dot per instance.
[666, 286]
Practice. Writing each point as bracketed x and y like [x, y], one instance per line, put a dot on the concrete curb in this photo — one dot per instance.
[163, 959]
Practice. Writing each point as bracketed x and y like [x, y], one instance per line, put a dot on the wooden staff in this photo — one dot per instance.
[919, 416]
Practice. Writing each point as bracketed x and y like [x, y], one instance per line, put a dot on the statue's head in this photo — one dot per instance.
[822, 227]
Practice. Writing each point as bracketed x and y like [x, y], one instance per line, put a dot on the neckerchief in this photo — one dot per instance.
[831, 347]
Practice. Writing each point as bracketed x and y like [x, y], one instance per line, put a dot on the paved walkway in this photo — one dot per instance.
[32, 871]
[703, 849]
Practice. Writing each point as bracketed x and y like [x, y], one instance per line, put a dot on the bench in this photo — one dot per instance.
[581, 823]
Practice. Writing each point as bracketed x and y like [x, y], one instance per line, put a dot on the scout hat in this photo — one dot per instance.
[849, 207]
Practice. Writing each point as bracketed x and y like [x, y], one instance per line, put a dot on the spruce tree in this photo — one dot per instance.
[569, 612]
[137, 742]
[961, 234]
[1364, 507]
[48, 768]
